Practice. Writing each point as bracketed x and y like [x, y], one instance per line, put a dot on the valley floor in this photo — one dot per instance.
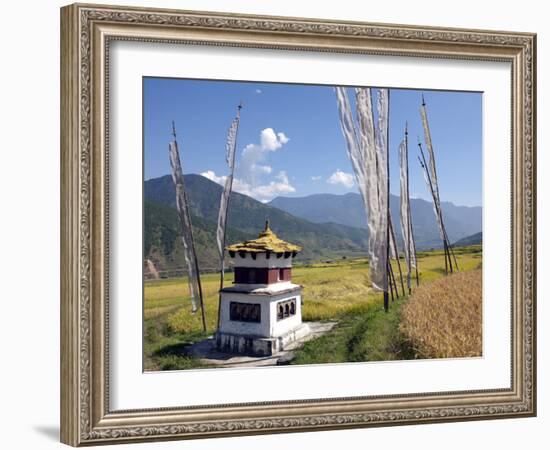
[338, 291]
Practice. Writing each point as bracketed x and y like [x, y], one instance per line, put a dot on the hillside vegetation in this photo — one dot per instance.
[245, 220]
[162, 239]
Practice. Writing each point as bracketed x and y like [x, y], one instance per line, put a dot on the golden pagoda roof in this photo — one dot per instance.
[267, 241]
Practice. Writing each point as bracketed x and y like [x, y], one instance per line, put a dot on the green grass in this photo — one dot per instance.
[366, 333]
[338, 291]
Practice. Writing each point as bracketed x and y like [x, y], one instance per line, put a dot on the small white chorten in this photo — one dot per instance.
[261, 313]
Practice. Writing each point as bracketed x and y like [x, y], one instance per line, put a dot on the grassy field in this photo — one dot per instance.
[338, 291]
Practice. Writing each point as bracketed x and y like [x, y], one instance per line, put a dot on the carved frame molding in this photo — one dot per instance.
[86, 31]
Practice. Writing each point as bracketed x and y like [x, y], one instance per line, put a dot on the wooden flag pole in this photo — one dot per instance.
[410, 232]
[396, 253]
[453, 253]
[393, 281]
[438, 209]
[449, 246]
[203, 312]
[425, 168]
[450, 250]
[388, 266]
[388, 279]
[222, 272]
[416, 261]
[447, 257]
[195, 259]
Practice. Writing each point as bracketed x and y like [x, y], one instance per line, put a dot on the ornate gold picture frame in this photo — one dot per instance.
[87, 32]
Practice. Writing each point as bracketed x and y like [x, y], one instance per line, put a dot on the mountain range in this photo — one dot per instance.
[347, 209]
[325, 225]
[474, 239]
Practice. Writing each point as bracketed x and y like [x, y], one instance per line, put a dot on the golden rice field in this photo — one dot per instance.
[443, 319]
[331, 291]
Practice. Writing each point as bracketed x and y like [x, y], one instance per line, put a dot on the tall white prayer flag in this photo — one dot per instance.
[405, 210]
[382, 170]
[394, 254]
[230, 145]
[431, 156]
[371, 177]
[186, 228]
[431, 188]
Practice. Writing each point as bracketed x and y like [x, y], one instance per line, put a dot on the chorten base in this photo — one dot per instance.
[259, 346]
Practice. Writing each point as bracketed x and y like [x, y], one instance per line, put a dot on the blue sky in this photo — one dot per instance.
[290, 143]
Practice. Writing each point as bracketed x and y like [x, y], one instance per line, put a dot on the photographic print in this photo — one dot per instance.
[291, 224]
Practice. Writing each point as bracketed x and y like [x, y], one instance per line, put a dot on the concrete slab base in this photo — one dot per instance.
[208, 352]
[258, 346]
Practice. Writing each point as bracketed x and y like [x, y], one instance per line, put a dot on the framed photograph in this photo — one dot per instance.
[280, 224]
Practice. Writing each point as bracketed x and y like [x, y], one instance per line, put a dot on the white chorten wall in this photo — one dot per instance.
[270, 325]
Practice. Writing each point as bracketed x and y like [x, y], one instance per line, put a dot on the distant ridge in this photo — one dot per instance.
[474, 239]
[347, 209]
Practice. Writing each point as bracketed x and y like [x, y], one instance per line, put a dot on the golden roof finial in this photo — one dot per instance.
[267, 231]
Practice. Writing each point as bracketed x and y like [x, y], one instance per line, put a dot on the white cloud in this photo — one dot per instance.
[316, 177]
[283, 139]
[263, 192]
[211, 175]
[252, 173]
[263, 169]
[252, 165]
[272, 141]
[258, 91]
[274, 188]
[343, 178]
[242, 187]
